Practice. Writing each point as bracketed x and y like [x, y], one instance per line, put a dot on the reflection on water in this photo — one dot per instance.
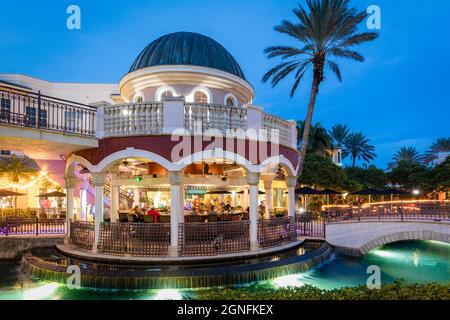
[413, 261]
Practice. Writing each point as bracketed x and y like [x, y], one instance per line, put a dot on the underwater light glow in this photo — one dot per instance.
[168, 294]
[41, 292]
[293, 280]
[385, 253]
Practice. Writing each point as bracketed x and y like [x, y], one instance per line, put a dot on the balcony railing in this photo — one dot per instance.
[82, 234]
[134, 119]
[199, 118]
[47, 113]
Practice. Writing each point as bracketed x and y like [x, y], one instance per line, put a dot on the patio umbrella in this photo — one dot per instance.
[393, 192]
[242, 192]
[306, 191]
[329, 192]
[368, 191]
[219, 192]
[7, 193]
[54, 194]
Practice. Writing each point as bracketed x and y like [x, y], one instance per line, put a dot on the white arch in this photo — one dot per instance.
[137, 95]
[279, 160]
[74, 160]
[219, 153]
[163, 89]
[133, 153]
[205, 90]
[233, 97]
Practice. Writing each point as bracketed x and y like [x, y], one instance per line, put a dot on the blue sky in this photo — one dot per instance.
[398, 97]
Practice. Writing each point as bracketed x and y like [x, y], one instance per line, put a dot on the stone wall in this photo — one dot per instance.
[11, 247]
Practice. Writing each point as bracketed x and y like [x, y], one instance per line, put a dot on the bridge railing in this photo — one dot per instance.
[32, 226]
[276, 231]
[34, 110]
[438, 211]
[310, 227]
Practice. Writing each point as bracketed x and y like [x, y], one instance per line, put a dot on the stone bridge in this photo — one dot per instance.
[358, 238]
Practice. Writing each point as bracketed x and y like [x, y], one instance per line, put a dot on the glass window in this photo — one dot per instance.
[200, 97]
[5, 105]
[279, 199]
[31, 116]
[138, 99]
[230, 102]
[167, 94]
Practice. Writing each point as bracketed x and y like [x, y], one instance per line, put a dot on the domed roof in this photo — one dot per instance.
[187, 48]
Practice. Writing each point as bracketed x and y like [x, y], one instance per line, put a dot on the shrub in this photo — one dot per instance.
[393, 291]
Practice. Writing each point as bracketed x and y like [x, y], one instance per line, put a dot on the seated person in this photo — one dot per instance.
[137, 213]
[155, 213]
[212, 212]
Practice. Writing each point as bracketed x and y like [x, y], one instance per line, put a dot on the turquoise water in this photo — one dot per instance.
[412, 261]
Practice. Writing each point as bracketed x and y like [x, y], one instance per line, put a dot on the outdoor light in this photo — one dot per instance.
[416, 192]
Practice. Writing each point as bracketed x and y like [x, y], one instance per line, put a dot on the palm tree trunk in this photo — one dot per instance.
[354, 161]
[308, 121]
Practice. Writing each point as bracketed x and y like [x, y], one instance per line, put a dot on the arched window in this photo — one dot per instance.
[200, 97]
[167, 94]
[230, 102]
[138, 99]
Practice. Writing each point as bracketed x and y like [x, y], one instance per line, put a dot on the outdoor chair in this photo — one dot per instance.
[164, 219]
[148, 219]
[123, 217]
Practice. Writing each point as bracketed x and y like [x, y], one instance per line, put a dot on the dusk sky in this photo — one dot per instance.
[398, 97]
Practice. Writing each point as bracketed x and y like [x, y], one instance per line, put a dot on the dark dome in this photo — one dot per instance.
[189, 49]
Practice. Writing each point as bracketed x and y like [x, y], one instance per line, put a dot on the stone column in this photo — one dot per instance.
[71, 181]
[99, 184]
[268, 190]
[175, 178]
[83, 200]
[114, 203]
[253, 180]
[291, 183]
[136, 197]
[245, 198]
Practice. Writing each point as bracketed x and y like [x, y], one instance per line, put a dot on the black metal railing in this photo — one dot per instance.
[213, 238]
[439, 211]
[26, 109]
[32, 226]
[275, 232]
[82, 234]
[309, 227]
[136, 239]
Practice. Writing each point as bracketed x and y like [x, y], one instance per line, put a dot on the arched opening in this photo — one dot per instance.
[200, 97]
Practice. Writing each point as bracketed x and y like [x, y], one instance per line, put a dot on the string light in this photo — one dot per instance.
[43, 174]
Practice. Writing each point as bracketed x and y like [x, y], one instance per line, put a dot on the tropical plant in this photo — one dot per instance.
[323, 173]
[441, 175]
[409, 154]
[412, 175]
[370, 177]
[440, 145]
[17, 169]
[357, 146]
[339, 133]
[319, 140]
[326, 29]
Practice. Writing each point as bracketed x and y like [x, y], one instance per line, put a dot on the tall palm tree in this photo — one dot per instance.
[319, 140]
[339, 133]
[440, 145]
[324, 30]
[357, 146]
[407, 154]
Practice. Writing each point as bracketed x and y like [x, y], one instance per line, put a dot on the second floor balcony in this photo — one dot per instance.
[35, 111]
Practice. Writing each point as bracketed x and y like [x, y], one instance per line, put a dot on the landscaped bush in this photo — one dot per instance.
[394, 291]
[17, 213]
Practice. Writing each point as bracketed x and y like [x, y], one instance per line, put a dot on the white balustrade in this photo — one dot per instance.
[133, 119]
[278, 129]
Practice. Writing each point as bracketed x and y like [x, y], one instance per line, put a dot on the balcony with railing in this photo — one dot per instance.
[36, 111]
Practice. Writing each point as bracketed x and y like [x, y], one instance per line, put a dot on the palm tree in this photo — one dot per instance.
[440, 145]
[357, 146]
[319, 140]
[339, 133]
[329, 29]
[407, 154]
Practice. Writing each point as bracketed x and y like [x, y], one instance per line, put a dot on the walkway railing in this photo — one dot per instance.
[136, 239]
[395, 211]
[82, 234]
[33, 110]
[213, 238]
[310, 227]
[32, 226]
[275, 232]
